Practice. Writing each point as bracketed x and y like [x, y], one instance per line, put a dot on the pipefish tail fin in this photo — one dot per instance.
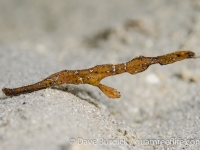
[52, 80]
[22, 90]
[108, 91]
[27, 89]
[16, 91]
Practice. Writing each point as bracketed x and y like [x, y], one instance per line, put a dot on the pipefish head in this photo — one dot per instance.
[190, 54]
[180, 55]
[176, 56]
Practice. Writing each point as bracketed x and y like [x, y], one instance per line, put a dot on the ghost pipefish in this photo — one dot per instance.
[95, 74]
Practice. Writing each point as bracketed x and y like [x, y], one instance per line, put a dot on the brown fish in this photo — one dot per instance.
[95, 74]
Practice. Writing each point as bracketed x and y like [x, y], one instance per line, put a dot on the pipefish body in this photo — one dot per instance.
[95, 74]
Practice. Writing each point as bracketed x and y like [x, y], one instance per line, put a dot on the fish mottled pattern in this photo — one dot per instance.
[95, 74]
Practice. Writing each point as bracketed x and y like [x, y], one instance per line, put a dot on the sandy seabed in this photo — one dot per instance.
[158, 109]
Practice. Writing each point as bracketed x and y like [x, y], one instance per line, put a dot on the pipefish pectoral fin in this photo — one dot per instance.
[108, 91]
